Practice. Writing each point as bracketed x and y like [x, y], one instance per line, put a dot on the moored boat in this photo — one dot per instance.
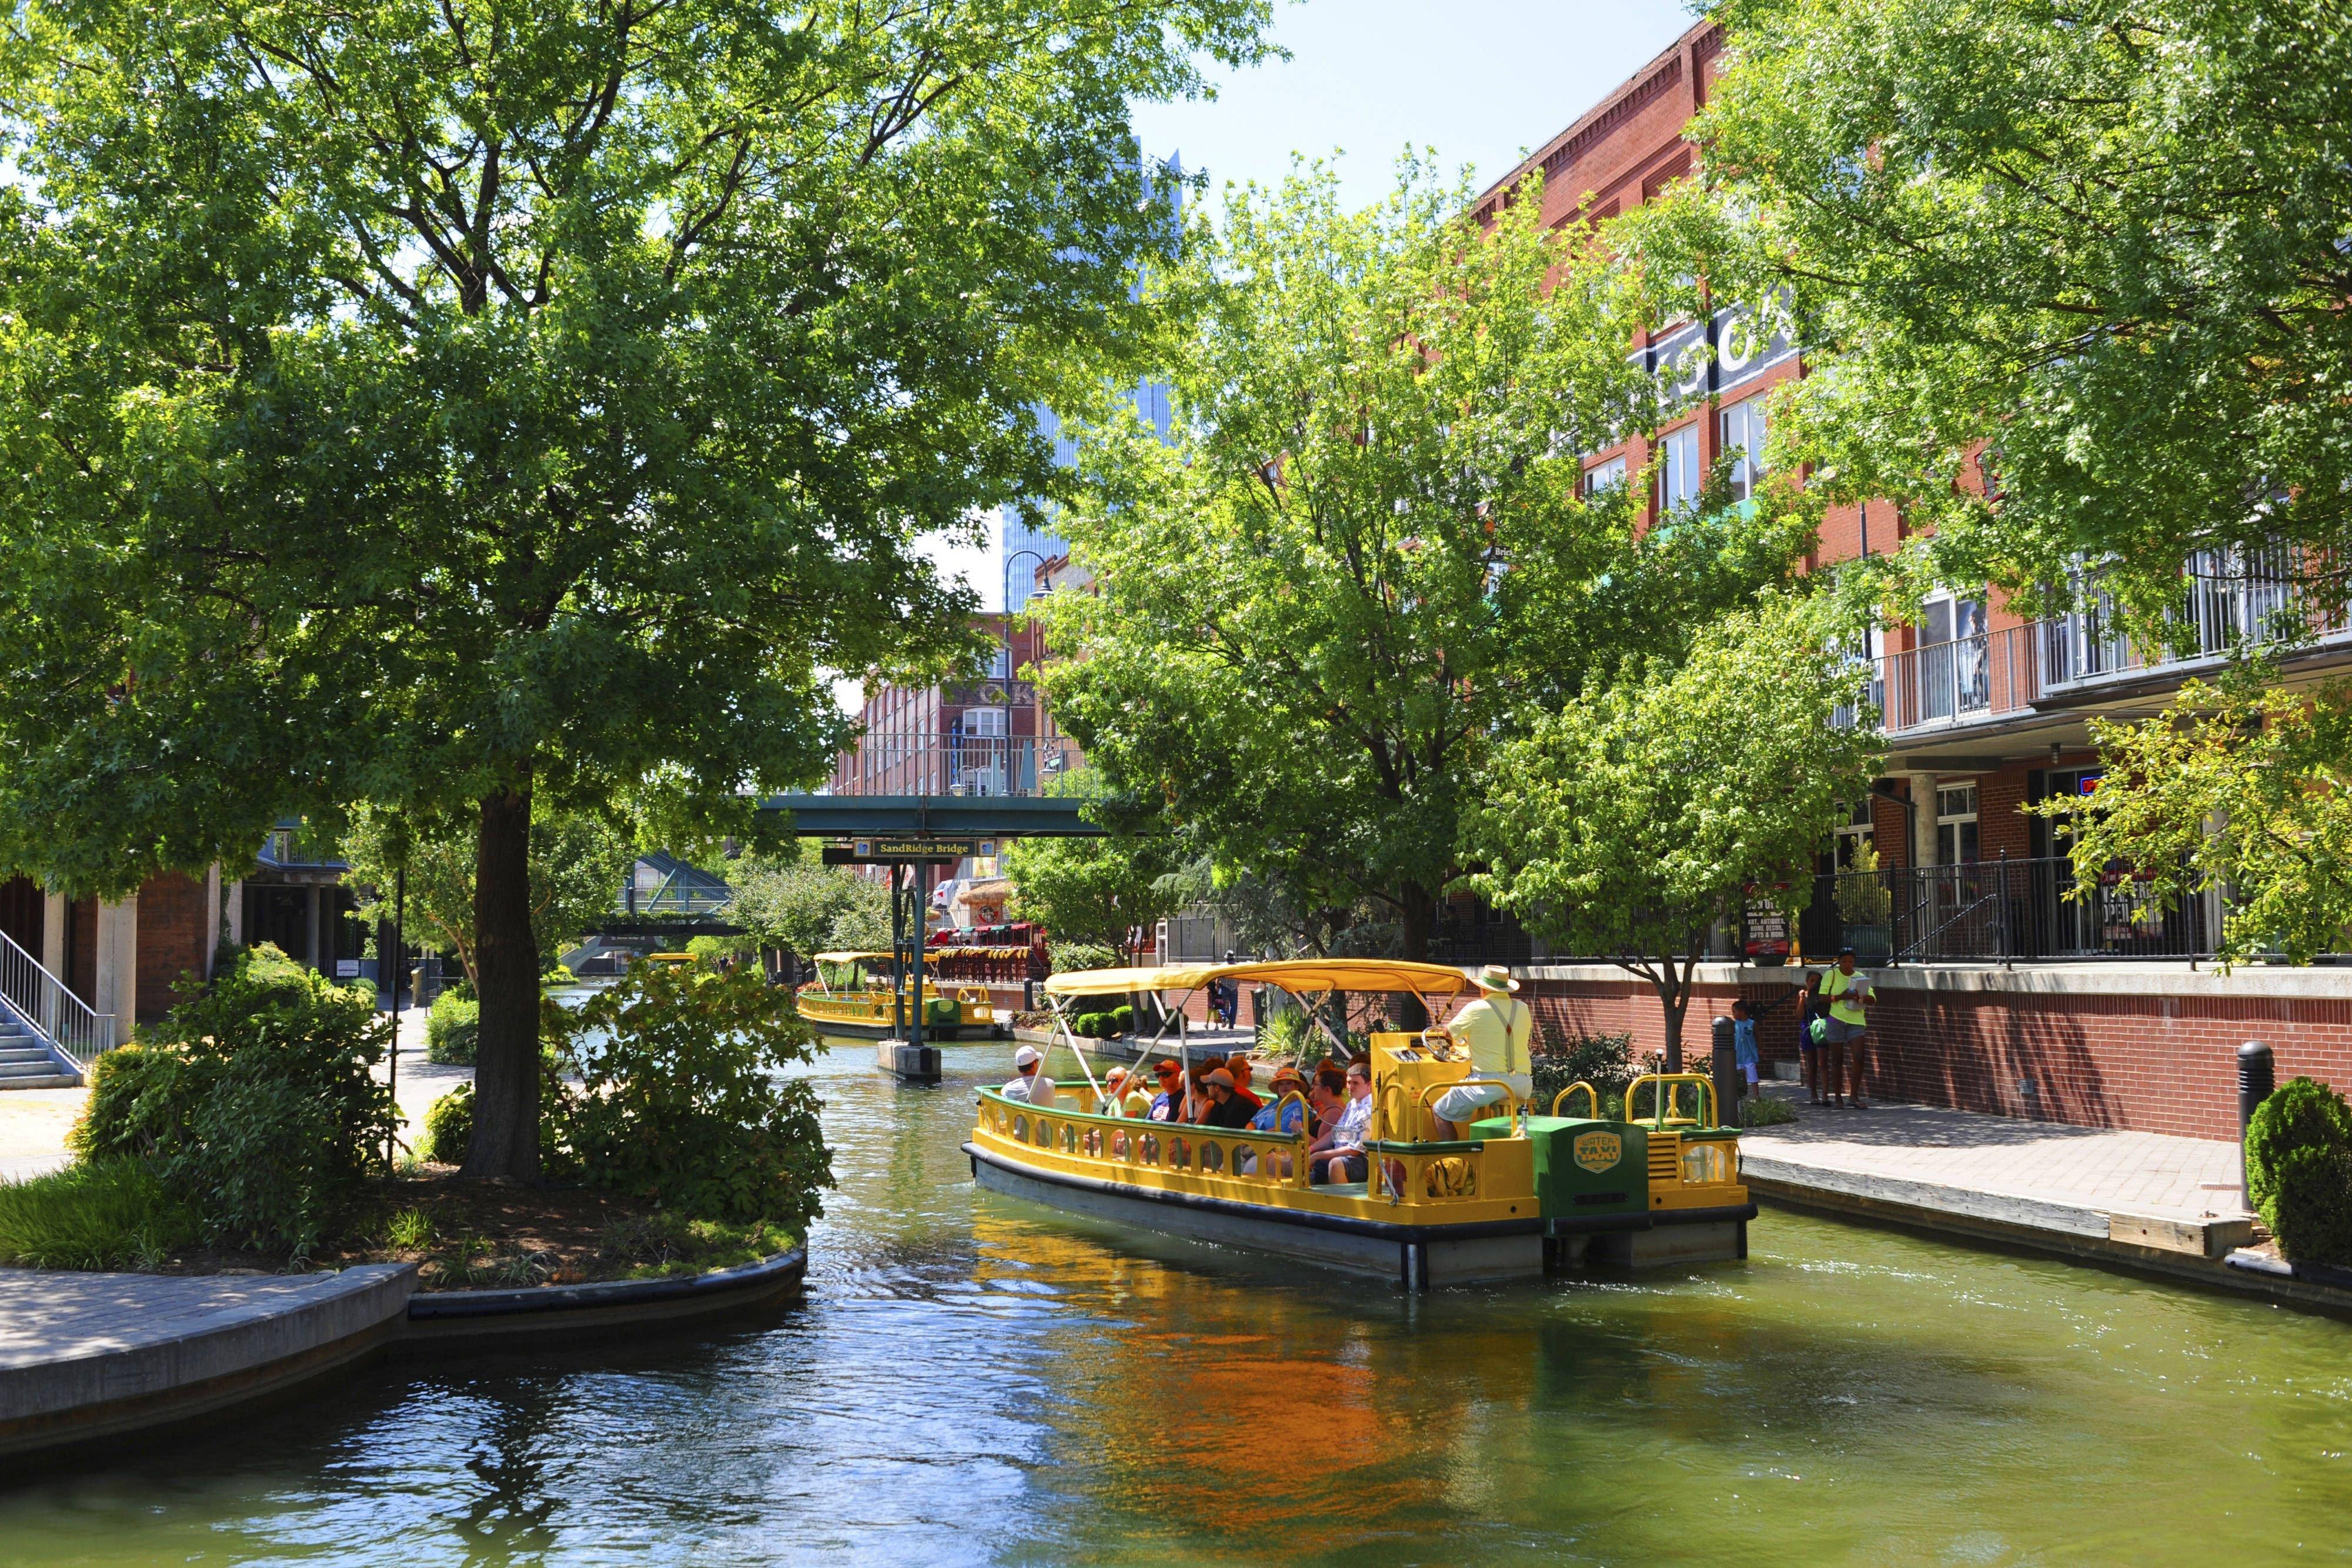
[1520, 1192]
[859, 995]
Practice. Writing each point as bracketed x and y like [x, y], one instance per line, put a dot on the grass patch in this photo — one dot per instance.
[652, 1244]
[1762, 1111]
[94, 1214]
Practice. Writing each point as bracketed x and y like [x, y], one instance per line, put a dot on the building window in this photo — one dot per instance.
[1603, 477]
[1857, 838]
[1678, 475]
[1956, 825]
[1743, 443]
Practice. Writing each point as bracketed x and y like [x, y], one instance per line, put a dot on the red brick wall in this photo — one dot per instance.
[171, 940]
[2147, 1064]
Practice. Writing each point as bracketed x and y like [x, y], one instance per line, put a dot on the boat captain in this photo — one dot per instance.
[1498, 1029]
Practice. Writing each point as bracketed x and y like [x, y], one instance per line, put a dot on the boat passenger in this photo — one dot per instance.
[1328, 1097]
[1029, 1081]
[1338, 1155]
[1225, 1108]
[1168, 1105]
[1239, 1066]
[1282, 1114]
[1121, 1097]
[1498, 1029]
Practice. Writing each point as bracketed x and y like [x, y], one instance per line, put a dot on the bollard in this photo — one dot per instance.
[1727, 1079]
[2257, 1076]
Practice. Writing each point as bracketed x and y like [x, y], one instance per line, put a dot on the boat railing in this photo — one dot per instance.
[1592, 1100]
[1410, 1173]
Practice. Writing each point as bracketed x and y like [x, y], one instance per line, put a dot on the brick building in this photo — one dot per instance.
[1941, 875]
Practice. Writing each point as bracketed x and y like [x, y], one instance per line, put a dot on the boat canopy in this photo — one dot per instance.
[1306, 974]
[848, 957]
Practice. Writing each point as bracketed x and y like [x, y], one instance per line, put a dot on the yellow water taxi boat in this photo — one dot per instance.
[1522, 1192]
[853, 995]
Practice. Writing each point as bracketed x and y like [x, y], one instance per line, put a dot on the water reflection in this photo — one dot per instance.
[975, 1381]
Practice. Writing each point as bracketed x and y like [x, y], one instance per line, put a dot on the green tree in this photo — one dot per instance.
[1631, 818]
[2238, 787]
[468, 408]
[578, 863]
[790, 900]
[2103, 244]
[1367, 543]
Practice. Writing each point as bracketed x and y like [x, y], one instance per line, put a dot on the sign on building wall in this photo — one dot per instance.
[1717, 356]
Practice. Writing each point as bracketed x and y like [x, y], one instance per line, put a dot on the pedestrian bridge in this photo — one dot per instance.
[825, 816]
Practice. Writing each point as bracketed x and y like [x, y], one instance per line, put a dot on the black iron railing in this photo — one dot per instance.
[2001, 911]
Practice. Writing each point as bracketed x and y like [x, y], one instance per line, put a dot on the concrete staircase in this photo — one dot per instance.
[26, 1062]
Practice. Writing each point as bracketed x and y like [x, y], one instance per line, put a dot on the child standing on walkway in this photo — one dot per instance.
[1743, 1041]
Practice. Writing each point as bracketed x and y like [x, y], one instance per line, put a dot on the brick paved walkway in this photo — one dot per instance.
[2084, 1167]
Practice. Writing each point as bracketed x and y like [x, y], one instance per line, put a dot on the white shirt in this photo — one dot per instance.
[1035, 1088]
[1347, 1133]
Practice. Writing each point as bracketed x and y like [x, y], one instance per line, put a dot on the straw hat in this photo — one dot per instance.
[1495, 977]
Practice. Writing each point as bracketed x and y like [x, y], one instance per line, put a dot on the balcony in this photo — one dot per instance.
[1990, 677]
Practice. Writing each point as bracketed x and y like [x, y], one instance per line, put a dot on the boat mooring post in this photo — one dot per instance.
[905, 1055]
[1728, 1080]
[2257, 1075]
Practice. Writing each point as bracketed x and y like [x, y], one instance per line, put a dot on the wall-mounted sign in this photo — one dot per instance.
[1717, 357]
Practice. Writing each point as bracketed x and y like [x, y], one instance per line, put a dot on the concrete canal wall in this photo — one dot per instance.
[87, 1358]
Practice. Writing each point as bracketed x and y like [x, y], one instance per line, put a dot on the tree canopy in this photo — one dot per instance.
[2239, 786]
[791, 900]
[1644, 809]
[578, 863]
[2102, 243]
[461, 406]
[1366, 544]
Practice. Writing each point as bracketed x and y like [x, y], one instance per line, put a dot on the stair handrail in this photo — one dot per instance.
[65, 1023]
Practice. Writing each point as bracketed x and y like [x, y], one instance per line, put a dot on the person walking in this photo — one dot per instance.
[1813, 1037]
[1849, 995]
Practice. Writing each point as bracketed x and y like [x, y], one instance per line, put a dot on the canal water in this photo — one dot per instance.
[971, 1381]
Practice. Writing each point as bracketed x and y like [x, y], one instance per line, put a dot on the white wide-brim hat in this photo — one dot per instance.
[1495, 977]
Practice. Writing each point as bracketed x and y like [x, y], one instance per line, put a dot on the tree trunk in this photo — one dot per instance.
[506, 956]
[1417, 912]
[1675, 996]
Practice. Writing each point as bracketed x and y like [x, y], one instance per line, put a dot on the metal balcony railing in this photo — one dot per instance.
[63, 1020]
[953, 765]
[2000, 911]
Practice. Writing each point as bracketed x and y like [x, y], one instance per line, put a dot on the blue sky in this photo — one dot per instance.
[1480, 81]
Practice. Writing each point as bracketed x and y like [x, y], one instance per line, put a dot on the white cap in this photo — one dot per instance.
[1026, 1056]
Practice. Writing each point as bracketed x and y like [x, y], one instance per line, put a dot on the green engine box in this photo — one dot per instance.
[1584, 1170]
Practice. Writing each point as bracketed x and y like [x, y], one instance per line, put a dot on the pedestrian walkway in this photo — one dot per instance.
[87, 1356]
[2091, 1167]
[33, 1127]
[2138, 1198]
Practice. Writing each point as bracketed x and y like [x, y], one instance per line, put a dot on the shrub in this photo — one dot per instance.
[448, 1127]
[1284, 1034]
[2301, 1113]
[95, 1214]
[1763, 1110]
[1121, 1019]
[2299, 1170]
[453, 1029]
[255, 1101]
[449, 1120]
[683, 1100]
[1603, 1060]
[1076, 957]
